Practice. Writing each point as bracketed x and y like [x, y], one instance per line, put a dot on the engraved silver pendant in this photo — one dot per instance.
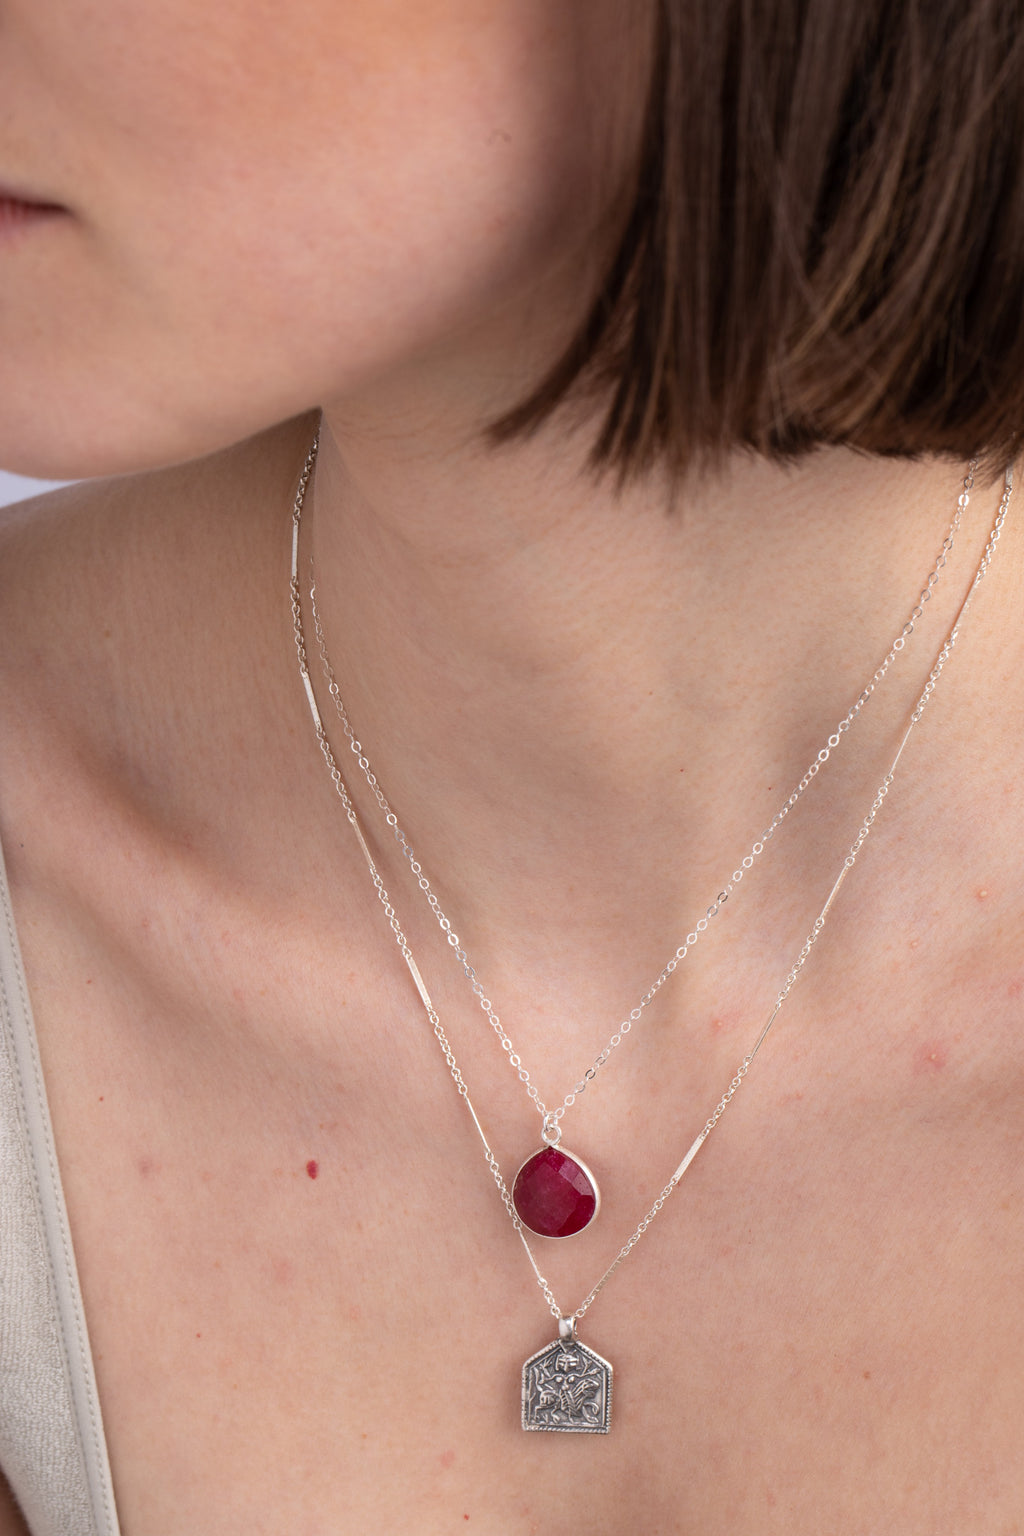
[567, 1387]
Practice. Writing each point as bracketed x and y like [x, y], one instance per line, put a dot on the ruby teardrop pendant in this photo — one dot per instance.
[555, 1194]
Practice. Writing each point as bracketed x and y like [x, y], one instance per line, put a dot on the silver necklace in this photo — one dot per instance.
[555, 1192]
[567, 1386]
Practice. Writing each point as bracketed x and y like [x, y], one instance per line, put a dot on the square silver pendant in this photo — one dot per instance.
[567, 1387]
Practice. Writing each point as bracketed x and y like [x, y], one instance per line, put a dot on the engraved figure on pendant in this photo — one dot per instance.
[567, 1387]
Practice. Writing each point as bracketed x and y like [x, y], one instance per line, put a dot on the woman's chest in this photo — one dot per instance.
[310, 1311]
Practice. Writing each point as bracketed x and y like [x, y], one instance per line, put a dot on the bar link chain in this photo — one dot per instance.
[791, 978]
[551, 1118]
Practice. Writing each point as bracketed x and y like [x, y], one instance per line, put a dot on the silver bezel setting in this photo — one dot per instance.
[556, 1237]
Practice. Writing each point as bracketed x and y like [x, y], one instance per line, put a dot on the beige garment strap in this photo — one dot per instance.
[52, 1447]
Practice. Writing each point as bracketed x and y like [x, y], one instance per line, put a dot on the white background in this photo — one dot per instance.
[15, 487]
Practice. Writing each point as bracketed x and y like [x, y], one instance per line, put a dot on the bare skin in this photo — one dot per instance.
[585, 705]
[823, 1320]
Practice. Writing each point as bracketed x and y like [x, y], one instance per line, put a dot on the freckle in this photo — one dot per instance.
[88, 981]
[312, 1167]
[146, 1166]
[867, 1375]
[198, 1335]
[101, 1098]
[447, 1458]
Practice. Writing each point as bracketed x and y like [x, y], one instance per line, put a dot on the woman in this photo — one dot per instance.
[651, 344]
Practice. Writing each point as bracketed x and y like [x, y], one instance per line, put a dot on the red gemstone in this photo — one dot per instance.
[555, 1194]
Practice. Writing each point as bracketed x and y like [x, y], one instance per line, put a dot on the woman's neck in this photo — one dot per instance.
[560, 682]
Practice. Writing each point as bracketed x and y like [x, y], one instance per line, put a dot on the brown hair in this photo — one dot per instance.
[825, 242]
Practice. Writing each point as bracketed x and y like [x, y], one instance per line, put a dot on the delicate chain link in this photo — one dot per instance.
[551, 1132]
[819, 922]
[791, 978]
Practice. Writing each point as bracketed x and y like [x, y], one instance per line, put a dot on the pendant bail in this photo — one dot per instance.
[551, 1131]
[567, 1329]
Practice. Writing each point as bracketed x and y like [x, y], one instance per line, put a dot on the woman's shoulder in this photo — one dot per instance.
[70, 561]
[51, 563]
[134, 615]
[108, 587]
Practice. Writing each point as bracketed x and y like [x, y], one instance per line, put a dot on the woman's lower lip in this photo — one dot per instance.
[16, 216]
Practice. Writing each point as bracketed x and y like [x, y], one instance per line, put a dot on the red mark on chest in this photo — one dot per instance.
[282, 1271]
[447, 1458]
[312, 1167]
[1015, 988]
[932, 1056]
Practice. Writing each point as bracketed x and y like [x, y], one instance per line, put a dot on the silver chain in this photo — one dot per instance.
[795, 969]
[551, 1119]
